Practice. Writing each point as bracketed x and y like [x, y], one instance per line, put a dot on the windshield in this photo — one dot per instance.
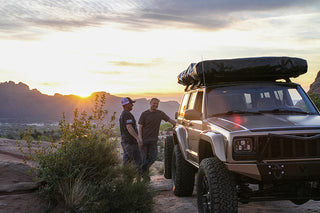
[258, 98]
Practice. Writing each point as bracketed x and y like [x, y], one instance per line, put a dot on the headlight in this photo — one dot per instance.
[241, 145]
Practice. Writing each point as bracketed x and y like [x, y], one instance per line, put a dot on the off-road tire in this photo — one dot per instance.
[216, 188]
[182, 174]
[168, 151]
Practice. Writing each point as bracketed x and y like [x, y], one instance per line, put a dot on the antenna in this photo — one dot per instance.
[203, 75]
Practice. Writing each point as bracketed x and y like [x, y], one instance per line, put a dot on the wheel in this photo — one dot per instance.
[182, 174]
[299, 201]
[216, 188]
[301, 190]
[168, 150]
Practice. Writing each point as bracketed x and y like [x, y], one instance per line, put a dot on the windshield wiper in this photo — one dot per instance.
[286, 111]
[232, 112]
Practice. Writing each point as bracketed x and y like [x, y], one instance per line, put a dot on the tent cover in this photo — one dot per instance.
[242, 69]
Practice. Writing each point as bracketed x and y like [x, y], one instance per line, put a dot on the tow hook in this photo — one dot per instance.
[276, 170]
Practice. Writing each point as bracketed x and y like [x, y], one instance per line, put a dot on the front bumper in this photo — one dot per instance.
[270, 172]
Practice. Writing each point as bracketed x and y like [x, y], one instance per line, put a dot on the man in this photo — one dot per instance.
[129, 134]
[148, 128]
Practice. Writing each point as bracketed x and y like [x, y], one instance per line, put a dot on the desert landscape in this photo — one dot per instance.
[59, 57]
[18, 190]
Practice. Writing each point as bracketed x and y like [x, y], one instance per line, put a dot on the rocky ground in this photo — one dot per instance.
[18, 191]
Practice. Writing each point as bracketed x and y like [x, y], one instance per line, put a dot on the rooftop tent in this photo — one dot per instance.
[242, 69]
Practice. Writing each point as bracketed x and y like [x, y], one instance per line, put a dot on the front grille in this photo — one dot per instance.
[274, 147]
[277, 147]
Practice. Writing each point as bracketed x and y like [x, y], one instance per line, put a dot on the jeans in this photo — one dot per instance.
[131, 153]
[149, 153]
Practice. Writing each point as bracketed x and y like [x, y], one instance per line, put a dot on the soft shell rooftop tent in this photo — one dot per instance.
[242, 69]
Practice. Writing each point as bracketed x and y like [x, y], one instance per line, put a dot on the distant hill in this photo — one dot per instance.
[315, 86]
[19, 104]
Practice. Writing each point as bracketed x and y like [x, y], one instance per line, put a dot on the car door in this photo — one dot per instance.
[194, 126]
[181, 130]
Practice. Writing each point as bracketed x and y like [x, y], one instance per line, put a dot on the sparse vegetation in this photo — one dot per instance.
[42, 132]
[84, 173]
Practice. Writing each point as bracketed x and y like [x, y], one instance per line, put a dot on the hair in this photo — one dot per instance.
[154, 99]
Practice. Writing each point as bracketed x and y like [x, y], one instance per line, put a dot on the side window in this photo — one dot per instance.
[183, 105]
[198, 103]
[248, 100]
[192, 100]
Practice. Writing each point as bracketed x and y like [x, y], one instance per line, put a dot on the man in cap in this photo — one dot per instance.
[129, 134]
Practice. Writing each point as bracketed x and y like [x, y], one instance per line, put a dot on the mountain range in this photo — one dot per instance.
[315, 86]
[20, 104]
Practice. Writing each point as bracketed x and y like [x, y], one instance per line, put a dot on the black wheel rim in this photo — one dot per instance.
[205, 195]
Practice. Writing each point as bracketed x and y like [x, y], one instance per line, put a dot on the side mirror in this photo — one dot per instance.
[176, 114]
[191, 114]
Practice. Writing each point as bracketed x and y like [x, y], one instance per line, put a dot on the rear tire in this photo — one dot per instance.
[216, 188]
[168, 151]
[182, 174]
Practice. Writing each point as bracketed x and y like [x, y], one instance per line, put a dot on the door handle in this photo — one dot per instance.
[189, 124]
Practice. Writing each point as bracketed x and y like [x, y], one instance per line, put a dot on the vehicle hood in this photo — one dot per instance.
[266, 122]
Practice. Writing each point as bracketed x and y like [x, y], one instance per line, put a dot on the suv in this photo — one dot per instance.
[247, 133]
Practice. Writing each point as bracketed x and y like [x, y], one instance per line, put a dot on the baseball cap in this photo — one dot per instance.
[126, 100]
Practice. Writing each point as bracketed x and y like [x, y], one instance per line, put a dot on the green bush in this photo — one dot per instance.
[166, 127]
[84, 174]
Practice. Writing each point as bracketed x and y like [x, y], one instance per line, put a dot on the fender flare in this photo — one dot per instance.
[217, 144]
[182, 137]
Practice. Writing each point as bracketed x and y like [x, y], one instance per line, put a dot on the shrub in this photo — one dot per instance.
[84, 173]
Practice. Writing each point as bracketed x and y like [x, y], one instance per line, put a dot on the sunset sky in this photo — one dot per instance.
[138, 47]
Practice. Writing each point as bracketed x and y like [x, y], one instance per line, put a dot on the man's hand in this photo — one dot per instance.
[173, 122]
[140, 135]
[140, 143]
[134, 134]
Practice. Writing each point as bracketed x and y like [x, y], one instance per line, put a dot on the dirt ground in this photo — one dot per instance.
[166, 202]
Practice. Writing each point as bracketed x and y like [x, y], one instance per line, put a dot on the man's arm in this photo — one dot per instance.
[166, 118]
[133, 133]
[173, 122]
[140, 131]
[140, 125]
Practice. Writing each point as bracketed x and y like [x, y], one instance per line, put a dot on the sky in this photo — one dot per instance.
[137, 48]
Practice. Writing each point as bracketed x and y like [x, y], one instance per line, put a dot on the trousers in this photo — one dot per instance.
[131, 153]
[149, 154]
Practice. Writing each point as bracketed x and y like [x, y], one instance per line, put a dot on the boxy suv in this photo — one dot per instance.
[247, 133]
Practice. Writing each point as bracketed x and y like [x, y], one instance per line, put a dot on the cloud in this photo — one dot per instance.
[51, 84]
[38, 16]
[108, 72]
[134, 64]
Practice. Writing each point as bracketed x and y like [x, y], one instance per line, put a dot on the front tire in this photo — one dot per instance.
[216, 188]
[168, 152]
[182, 174]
